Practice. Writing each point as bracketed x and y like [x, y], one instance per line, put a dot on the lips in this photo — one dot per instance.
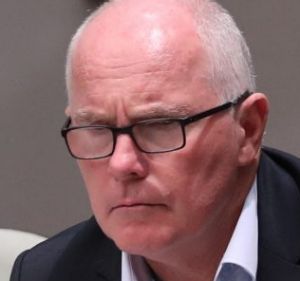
[136, 205]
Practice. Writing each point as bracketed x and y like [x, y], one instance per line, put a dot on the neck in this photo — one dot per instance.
[194, 261]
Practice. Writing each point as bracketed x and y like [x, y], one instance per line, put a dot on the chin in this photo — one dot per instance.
[142, 240]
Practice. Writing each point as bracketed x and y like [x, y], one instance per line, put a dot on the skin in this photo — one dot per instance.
[177, 209]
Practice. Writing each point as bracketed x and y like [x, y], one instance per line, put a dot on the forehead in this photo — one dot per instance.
[134, 34]
[141, 56]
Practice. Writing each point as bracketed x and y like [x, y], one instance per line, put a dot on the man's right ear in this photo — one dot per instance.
[252, 116]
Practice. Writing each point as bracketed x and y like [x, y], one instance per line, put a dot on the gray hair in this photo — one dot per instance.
[230, 71]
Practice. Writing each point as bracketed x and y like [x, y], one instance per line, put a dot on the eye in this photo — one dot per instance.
[163, 124]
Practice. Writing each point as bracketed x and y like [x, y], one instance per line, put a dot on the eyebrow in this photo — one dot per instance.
[167, 111]
[86, 116]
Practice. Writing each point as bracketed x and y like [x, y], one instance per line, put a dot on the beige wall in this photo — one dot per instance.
[41, 189]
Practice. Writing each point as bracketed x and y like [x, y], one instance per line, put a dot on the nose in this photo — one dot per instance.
[127, 161]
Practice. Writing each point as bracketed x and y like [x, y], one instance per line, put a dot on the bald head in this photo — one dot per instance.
[138, 36]
[152, 29]
[143, 26]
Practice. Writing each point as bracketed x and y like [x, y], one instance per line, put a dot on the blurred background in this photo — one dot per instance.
[41, 188]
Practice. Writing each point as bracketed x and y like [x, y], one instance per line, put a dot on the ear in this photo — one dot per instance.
[252, 117]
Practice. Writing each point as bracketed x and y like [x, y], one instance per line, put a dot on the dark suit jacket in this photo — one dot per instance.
[83, 253]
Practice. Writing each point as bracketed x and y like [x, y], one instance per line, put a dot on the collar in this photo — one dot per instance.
[134, 268]
[242, 249]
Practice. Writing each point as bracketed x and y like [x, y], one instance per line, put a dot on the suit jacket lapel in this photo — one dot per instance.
[90, 256]
[279, 217]
[274, 268]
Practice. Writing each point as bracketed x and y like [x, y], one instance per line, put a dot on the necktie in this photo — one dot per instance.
[233, 272]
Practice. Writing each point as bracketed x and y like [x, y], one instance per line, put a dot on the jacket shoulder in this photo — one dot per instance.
[278, 192]
[285, 165]
[38, 262]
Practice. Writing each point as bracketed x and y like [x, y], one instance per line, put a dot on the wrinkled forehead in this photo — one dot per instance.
[137, 34]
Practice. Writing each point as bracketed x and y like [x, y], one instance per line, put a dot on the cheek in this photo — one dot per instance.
[95, 178]
[202, 172]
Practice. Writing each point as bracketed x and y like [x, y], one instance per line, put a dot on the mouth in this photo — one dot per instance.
[137, 206]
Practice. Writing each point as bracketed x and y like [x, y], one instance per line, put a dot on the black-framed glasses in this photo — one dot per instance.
[150, 136]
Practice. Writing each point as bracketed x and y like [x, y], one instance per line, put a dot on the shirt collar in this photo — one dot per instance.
[243, 245]
[241, 250]
[134, 268]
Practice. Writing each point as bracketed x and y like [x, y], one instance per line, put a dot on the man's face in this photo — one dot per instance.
[151, 203]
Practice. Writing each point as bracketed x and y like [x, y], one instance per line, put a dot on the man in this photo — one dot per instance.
[166, 125]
